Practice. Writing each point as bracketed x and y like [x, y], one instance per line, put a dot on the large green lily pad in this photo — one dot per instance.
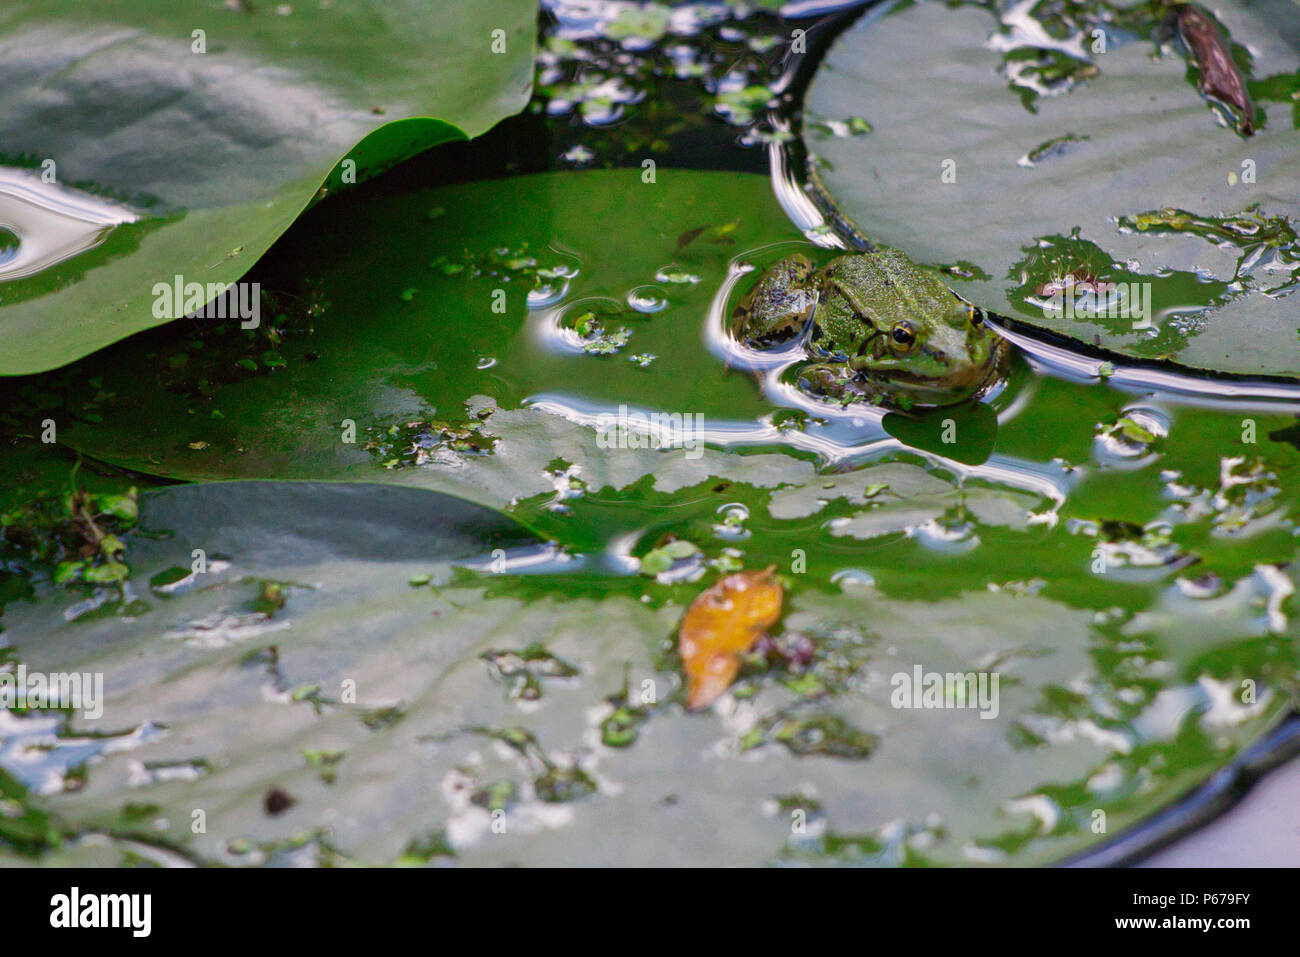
[167, 161]
[1063, 165]
[349, 681]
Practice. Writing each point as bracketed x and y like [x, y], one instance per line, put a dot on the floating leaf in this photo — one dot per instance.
[721, 625]
[1219, 77]
[661, 559]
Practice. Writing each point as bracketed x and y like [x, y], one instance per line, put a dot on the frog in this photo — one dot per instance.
[874, 326]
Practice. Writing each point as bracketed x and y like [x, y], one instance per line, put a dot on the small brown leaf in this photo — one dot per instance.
[722, 624]
[688, 237]
[1219, 76]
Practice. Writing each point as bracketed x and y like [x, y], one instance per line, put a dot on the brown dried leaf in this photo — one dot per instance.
[722, 624]
[1219, 76]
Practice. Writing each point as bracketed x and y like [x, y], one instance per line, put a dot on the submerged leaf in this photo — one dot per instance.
[722, 624]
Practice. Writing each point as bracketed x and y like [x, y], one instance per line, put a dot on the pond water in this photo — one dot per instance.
[534, 321]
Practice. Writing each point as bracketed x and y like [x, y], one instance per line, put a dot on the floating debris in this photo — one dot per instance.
[1218, 76]
[721, 624]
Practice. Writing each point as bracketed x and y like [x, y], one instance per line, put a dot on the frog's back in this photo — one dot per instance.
[890, 284]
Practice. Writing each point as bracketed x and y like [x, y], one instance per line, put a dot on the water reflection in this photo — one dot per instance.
[43, 224]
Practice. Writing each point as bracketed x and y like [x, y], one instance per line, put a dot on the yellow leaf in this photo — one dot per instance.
[722, 624]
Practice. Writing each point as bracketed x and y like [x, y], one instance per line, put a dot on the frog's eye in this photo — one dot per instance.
[976, 316]
[904, 335]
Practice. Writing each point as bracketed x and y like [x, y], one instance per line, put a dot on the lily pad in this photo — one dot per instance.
[415, 353]
[1018, 148]
[234, 735]
[144, 143]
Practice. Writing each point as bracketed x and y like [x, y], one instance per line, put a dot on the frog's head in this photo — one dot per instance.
[907, 332]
